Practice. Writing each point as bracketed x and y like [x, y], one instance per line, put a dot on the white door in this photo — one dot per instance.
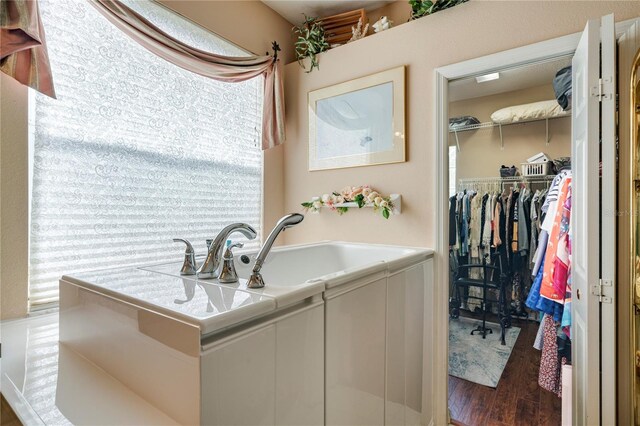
[585, 220]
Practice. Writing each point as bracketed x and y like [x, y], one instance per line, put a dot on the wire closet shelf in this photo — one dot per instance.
[490, 124]
[491, 184]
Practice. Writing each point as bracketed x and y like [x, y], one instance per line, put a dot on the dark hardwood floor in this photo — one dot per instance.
[518, 400]
[7, 416]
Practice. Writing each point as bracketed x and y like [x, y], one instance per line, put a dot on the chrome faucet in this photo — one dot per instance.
[214, 255]
[255, 280]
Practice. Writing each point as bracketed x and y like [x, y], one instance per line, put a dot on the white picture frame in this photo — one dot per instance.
[360, 122]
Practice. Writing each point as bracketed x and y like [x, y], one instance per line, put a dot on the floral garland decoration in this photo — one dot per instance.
[361, 195]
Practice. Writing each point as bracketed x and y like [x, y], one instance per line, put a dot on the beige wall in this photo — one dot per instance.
[480, 151]
[464, 32]
[249, 24]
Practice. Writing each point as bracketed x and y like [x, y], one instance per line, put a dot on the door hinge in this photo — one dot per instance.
[599, 91]
[598, 290]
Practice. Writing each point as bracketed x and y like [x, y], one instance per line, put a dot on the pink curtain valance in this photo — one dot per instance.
[217, 67]
[23, 48]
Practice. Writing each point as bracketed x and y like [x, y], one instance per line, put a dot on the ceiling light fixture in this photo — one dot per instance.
[488, 77]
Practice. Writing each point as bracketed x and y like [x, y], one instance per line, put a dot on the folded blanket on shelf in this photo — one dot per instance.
[527, 112]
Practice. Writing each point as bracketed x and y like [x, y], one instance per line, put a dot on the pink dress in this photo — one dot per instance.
[547, 288]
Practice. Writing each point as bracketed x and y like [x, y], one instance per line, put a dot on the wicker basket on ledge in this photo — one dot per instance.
[337, 28]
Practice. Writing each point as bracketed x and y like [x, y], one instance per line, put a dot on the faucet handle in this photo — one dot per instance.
[189, 265]
[188, 244]
[228, 272]
[228, 254]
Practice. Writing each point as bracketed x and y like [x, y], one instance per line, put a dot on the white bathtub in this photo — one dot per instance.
[336, 336]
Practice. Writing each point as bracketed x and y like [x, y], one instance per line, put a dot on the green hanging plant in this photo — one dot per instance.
[310, 41]
[420, 8]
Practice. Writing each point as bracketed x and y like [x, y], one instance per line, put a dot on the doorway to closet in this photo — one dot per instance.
[509, 167]
[592, 219]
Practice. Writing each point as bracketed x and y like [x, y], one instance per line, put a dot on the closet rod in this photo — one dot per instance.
[465, 183]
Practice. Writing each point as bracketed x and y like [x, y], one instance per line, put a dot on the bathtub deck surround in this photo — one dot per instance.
[310, 347]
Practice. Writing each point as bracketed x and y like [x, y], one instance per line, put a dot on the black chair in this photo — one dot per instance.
[492, 279]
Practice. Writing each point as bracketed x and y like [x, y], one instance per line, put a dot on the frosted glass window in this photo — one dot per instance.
[135, 151]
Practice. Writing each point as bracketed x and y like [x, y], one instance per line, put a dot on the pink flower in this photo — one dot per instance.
[346, 191]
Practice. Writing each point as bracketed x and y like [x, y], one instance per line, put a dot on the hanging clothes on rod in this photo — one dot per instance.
[550, 293]
[492, 217]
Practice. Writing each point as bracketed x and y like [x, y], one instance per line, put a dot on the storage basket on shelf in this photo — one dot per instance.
[337, 28]
[535, 169]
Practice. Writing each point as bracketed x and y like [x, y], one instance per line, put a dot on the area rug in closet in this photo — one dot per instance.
[474, 358]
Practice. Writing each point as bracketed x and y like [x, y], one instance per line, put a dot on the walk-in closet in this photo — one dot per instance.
[509, 215]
